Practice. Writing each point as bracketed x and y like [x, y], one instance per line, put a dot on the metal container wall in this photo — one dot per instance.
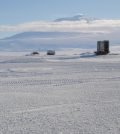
[103, 47]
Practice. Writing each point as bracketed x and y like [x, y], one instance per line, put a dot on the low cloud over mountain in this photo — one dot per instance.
[69, 31]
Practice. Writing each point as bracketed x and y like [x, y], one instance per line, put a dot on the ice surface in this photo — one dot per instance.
[73, 92]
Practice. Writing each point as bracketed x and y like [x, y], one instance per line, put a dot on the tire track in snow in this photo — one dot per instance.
[40, 82]
[58, 82]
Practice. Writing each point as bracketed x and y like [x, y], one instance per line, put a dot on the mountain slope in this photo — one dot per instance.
[29, 41]
[39, 34]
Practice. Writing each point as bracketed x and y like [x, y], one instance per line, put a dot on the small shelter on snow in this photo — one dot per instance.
[102, 47]
[51, 52]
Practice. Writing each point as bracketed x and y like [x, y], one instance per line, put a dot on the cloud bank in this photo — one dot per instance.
[95, 26]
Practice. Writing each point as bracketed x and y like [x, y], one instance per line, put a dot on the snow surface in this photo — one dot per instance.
[73, 92]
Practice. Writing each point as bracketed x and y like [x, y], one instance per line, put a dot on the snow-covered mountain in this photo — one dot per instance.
[68, 32]
[37, 34]
[28, 41]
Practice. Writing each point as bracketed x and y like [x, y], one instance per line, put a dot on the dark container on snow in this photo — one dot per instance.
[102, 47]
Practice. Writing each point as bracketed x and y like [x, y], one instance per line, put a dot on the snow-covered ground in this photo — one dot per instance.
[73, 92]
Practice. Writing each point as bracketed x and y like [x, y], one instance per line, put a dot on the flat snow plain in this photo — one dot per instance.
[70, 93]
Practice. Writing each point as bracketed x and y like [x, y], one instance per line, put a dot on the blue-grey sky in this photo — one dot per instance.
[14, 12]
[18, 11]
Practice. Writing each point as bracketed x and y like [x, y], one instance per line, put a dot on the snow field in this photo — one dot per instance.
[54, 95]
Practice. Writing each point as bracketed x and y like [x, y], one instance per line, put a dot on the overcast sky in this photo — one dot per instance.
[17, 14]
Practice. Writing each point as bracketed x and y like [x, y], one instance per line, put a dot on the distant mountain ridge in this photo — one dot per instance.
[28, 41]
[37, 34]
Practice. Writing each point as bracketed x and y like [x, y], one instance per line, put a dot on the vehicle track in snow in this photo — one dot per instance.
[57, 82]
